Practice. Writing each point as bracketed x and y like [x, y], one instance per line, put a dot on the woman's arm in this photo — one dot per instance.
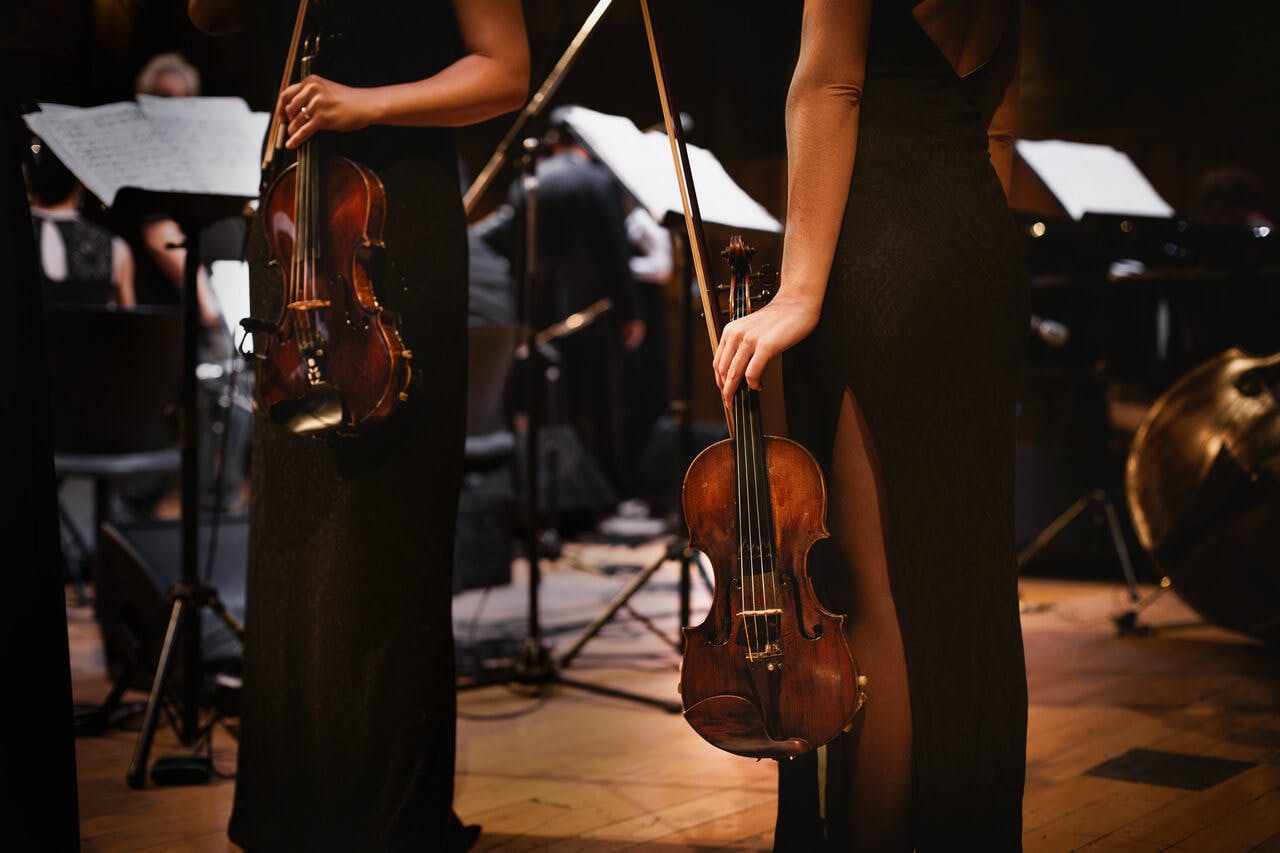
[1002, 100]
[822, 133]
[219, 17]
[491, 79]
[122, 273]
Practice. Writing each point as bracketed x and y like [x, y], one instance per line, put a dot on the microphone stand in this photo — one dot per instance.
[534, 665]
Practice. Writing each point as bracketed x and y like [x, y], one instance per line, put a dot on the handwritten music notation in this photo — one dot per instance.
[205, 146]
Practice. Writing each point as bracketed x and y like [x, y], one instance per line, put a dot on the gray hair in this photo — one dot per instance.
[166, 63]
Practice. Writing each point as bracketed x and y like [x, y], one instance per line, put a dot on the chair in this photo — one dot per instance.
[115, 377]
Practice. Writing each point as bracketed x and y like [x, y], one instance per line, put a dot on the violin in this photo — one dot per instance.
[1203, 487]
[334, 362]
[769, 673]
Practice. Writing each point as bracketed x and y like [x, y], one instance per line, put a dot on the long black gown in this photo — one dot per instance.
[924, 320]
[348, 726]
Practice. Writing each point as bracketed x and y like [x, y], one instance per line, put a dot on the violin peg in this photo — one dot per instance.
[408, 354]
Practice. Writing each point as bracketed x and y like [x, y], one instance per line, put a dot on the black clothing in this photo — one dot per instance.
[348, 706]
[924, 320]
[491, 297]
[88, 252]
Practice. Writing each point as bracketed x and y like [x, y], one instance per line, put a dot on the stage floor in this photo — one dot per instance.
[570, 770]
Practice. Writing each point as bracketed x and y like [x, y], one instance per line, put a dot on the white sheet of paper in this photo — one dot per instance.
[206, 146]
[1092, 178]
[643, 164]
[229, 281]
[155, 106]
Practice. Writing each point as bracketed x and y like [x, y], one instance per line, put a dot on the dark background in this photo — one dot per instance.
[1180, 86]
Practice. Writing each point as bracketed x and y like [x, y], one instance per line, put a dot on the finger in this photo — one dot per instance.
[303, 97]
[733, 374]
[285, 97]
[305, 132]
[724, 357]
[724, 352]
[297, 122]
[755, 368]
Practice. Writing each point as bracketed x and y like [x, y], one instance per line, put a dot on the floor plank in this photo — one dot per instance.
[580, 773]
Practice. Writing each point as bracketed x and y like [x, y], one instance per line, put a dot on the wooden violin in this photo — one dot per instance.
[769, 672]
[334, 361]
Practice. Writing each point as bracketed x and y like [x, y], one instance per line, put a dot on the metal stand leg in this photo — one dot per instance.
[1098, 500]
[137, 775]
[674, 551]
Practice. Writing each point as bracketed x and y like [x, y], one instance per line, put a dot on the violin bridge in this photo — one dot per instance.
[762, 633]
[308, 304]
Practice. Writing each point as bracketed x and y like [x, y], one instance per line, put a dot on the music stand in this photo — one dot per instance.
[641, 163]
[190, 595]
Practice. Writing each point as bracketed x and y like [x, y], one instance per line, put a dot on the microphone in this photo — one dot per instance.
[1052, 332]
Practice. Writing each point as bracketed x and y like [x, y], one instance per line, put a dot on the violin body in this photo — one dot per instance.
[773, 706]
[769, 672]
[1203, 486]
[335, 361]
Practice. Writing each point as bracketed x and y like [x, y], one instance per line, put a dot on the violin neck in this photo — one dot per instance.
[751, 464]
[307, 189]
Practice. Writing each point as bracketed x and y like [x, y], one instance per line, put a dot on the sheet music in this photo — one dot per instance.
[1092, 178]
[642, 163]
[156, 106]
[205, 146]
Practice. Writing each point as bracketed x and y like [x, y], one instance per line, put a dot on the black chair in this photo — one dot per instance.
[114, 378]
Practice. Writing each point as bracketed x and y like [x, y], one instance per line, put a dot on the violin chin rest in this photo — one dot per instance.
[320, 411]
[734, 724]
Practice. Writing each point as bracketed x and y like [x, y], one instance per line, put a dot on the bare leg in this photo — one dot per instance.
[869, 770]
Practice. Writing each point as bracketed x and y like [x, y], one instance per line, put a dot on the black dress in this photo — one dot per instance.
[924, 320]
[348, 705]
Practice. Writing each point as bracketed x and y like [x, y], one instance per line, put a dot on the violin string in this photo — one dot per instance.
[757, 574]
[310, 248]
[308, 268]
[743, 550]
[759, 486]
[759, 480]
[742, 472]
[770, 531]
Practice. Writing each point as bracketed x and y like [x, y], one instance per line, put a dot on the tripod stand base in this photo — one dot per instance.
[535, 667]
[190, 769]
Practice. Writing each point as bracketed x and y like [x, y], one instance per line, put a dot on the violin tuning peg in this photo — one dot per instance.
[408, 354]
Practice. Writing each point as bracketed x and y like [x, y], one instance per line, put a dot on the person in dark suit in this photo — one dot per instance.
[583, 256]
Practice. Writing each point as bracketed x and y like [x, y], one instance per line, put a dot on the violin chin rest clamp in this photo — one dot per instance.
[734, 724]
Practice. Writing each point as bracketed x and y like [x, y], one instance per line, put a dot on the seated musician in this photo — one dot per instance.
[79, 261]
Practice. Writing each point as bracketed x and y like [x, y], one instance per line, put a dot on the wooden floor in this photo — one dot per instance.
[573, 771]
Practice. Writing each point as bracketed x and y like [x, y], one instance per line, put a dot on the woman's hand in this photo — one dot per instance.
[747, 345]
[315, 103]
